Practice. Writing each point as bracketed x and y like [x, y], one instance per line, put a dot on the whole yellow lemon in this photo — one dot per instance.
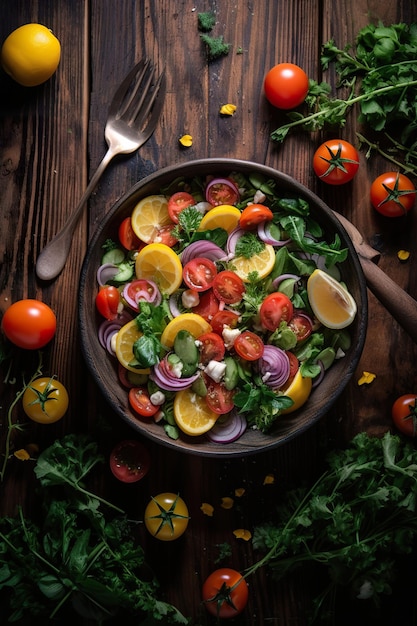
[31, 54]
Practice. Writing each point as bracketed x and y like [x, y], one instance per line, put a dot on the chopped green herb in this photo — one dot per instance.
[206, 21]
[215, 46]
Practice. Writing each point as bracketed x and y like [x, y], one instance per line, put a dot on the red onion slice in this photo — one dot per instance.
[202, 248]
[106, 272]
[162, 376]
[229, 429]
[232, 240]
[264, 233]
[274, 366]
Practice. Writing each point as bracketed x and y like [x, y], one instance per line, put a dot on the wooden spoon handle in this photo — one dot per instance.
[402, 306]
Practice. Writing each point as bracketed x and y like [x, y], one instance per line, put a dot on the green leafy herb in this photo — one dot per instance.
[151, 321]
[248, 245]
[206, 21]
[77, 556]
[356, 518]
[380, 77]
[215, 46]
[261, 403]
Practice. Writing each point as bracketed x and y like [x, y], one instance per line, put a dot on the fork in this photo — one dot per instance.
[132, 118]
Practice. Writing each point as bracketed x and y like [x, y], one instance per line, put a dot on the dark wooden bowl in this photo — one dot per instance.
[104, 368]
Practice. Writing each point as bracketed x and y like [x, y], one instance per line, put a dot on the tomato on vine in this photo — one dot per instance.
[225, 593]
[166, 516]
[392, 194]
[336, 162]
[45, 400]
[404, 414]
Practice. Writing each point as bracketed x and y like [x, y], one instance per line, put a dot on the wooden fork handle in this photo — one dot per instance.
[398, 302]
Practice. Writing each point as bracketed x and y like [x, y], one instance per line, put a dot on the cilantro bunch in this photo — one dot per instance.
[77, 555]
[357, 518]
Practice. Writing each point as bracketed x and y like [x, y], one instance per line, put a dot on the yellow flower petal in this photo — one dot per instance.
[239, 492]
[186, 141]
[366, 378]
[403, 255]
[242, 533]
[22, 455]
[207, 509]
[227, 503]
[227, 109]
[269, 479]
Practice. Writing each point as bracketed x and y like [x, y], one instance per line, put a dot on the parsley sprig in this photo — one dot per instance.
[355, 519]
[380, 77]
[78, 555]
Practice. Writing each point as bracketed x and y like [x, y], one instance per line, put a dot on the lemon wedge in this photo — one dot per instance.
[331, 302]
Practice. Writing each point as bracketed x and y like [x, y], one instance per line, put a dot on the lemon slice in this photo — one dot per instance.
[191, 413]
[263, 263]
[299, 391]
[148, 216]
[158, 262]
[195, 324]
[125, 339]
[223, 216]
[331, 303]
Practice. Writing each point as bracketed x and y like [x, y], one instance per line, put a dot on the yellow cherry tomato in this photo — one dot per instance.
[166, 516]
[31, 54]
[45, 400]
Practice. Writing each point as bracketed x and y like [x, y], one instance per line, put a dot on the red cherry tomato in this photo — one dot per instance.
[140, 402]
[404, 414]
[222, 191]
[107, 302]
[222, 319]
[208, 305]
[164, 235]
[129, 461]
[199, 274]
[276, 307]
[218, 398]
[392, 194]
[255, 214]
[249, 346]
[177, 202]
[211, 347]
[225, 593]
[294, 365]
[228, 287]
[301, 325]
[29, 324]
[127, 236]
[286, 86]
[336, 162]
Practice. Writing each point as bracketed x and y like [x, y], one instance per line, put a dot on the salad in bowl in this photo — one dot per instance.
[226, 308]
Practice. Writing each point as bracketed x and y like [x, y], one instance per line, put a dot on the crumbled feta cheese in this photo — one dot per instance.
[366, 591]
[229, 335]
[259, 197]
[157, 398]
[190, 298]
[216, 370]
[340, 354]
[176, 370]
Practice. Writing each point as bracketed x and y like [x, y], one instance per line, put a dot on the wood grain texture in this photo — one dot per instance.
[51, 140]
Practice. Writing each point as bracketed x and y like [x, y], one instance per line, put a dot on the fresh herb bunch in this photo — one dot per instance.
[357, 518]
[380, 76]
[78, 555]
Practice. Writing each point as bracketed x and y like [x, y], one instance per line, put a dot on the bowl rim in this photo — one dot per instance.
[239, 448]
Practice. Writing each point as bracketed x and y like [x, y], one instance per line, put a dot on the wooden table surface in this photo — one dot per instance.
[51, 140]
